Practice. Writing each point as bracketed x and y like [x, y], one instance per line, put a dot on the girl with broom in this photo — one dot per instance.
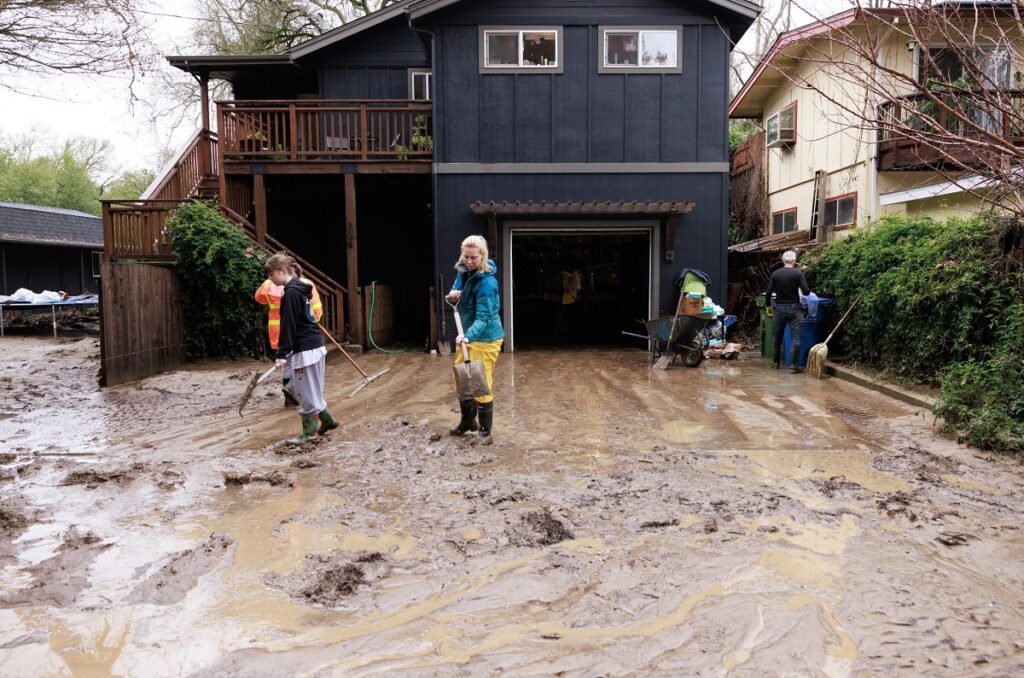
[476, 292]
[302, 345]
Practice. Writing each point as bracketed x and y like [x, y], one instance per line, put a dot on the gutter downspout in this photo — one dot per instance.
[871, 164]
[424, 36]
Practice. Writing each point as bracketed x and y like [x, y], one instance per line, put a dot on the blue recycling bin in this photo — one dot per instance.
[812, 331]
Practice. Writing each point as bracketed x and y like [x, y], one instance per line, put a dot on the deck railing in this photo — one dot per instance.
[137, 229]
[999, 112]
[326, 130]
[182, 176]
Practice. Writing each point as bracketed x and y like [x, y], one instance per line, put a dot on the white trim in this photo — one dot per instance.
[413, 72]
[932, 190]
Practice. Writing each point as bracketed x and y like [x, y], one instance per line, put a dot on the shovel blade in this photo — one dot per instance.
[471, 380]
[248, 392]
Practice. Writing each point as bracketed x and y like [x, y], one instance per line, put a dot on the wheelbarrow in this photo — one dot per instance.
[691, 337]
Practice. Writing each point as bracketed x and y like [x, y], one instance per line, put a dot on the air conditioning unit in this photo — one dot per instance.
[780, 129]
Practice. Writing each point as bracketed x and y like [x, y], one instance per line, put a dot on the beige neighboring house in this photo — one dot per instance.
[816, 148]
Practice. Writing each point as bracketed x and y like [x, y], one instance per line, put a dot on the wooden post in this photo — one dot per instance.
[259, 196]
[355, 311]
[670, 237]
[363, 136]
[293, 133]
[108, 235]
[221, 143]
[433, 317]
[492, 235]
[205, 152]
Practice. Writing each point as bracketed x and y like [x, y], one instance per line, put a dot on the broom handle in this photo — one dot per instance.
[458, 326]
[344, 352]
[841, 320]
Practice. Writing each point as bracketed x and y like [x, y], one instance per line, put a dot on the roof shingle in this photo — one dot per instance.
[49, 226]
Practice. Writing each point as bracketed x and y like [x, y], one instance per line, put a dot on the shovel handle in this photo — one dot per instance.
[345, 353]
[458, 326]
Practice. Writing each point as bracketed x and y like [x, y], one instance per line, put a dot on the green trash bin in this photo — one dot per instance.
[767, 328]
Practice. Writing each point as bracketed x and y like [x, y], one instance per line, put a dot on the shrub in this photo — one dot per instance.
[942, 305]
[219, 269]
[985, 399]
[932, 293]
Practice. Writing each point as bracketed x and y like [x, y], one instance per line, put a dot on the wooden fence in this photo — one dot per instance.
[141, 321]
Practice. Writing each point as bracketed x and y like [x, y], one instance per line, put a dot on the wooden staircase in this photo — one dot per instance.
[137, 229]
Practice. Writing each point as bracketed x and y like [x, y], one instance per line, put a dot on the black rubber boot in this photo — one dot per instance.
[486, 419]
[794, 353]
[468, 421]
[327, 422]
[776, 356]
[289, 399]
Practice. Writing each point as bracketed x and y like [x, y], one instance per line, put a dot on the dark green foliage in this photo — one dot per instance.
[220, 270]
[985, 399]
[938, 298]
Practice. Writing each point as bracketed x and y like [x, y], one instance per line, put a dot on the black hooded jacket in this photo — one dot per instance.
[299, 331]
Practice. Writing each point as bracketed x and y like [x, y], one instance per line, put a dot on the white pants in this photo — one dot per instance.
[308, 386]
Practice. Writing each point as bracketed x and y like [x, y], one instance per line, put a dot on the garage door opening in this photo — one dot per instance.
[579, 288]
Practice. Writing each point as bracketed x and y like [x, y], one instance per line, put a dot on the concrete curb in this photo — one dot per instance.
[891, 390]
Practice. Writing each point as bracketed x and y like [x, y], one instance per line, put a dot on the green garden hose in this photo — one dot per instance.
[369, 330]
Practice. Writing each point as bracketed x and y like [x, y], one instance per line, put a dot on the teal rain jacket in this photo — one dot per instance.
[480, 304]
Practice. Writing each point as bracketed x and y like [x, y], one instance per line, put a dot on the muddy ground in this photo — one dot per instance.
[728, 519]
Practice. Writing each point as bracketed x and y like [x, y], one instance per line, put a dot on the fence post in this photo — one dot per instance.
[293, 132]
[363, 137]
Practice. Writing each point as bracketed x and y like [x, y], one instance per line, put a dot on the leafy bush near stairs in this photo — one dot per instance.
[219, 269]
[941, 305]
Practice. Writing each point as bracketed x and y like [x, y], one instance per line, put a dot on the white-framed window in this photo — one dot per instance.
[421, 84]
[520, 49]
[780, 129]
[654, 49]
[841, 211]
[784, 221]
[97, 261]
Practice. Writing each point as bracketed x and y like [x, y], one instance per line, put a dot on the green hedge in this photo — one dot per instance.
[220, 270]
[938, 299]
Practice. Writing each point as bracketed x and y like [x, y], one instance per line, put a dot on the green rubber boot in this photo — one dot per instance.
[327, 422]
[310, 425]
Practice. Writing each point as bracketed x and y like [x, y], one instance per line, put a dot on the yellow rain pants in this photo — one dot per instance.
[486, 352]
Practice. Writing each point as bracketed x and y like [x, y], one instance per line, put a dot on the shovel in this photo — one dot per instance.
[470, 378]
[256, 380]
[818, 354]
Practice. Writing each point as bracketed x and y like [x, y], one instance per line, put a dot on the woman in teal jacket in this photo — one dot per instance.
[479, 304]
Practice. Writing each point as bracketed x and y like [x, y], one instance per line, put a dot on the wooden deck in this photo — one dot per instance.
[313, 136]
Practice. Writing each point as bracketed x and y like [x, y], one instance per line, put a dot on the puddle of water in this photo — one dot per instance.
[821, 539]
[971, 485]
[854, 465]
[801, 566]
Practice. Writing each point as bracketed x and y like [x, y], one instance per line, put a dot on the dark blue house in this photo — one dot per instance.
[586, 139]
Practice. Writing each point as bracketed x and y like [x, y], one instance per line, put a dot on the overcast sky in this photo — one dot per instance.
[101, 106]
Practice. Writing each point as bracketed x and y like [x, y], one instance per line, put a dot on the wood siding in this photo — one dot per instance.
[374, 64]
[579, 115]
[47, 267]
[701, 239]
[141, 323]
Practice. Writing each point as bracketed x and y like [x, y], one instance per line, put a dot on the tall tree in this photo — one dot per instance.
[70, 36]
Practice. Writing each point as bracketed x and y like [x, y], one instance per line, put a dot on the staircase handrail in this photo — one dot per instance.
[171, 170]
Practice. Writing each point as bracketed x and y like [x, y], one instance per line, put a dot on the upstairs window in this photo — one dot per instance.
[654, 49]
[841, 211]
[521, 50]
[780, 129]
[784, 221]
[420, 85]
[943, 67]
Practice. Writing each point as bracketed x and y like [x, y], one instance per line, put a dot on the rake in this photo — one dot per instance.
[367, 379]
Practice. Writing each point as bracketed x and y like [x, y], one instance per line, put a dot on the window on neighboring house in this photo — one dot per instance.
[420, 85]
[780, 129]
[97, 261]
[784, 221]
[655, 49]
[944, 66]
[841, 211]
[520, 49]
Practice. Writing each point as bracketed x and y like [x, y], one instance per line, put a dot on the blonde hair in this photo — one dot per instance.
[479, 243]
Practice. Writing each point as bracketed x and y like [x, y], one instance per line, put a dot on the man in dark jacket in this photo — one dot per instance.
[787, 283]
[302, 345]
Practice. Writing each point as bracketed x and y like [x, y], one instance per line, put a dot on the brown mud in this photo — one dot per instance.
[724, 520]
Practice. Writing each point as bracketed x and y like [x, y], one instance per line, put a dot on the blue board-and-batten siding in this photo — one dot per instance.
[374, 64]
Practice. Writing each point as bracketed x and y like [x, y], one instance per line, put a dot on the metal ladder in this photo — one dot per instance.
[818, 204]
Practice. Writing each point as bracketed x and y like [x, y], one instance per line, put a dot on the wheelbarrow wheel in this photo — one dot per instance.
[693, 355]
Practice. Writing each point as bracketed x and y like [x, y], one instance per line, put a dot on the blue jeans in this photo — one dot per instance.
[786, 314]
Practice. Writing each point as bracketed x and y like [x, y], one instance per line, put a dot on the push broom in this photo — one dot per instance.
[818, 354]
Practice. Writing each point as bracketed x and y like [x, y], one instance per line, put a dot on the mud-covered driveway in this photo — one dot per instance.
[728, 519]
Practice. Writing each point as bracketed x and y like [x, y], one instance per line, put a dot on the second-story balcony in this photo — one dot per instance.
[917, 133]
[325, 131]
